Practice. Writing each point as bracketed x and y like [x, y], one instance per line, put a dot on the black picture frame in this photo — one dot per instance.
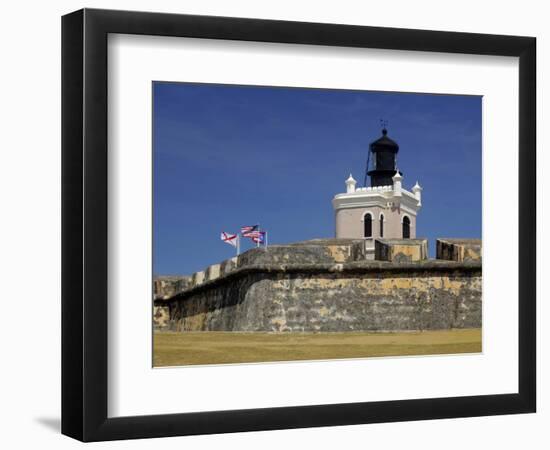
[84, 224]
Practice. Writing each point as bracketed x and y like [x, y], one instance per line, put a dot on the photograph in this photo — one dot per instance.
[265, 225]
[301, 224]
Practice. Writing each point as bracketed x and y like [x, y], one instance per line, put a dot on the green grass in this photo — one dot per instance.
[192, 348]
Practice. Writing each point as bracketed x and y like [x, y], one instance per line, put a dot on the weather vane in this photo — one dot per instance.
[383, 123]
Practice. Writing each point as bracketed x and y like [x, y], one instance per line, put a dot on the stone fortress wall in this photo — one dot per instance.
[329, 285]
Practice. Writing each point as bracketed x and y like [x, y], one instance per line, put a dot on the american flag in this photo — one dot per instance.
[247, 229]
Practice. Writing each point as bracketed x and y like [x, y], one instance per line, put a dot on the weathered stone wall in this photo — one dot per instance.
[459, 249]
[401, 250]
[315, 251]
[349, 296]
[166, 287]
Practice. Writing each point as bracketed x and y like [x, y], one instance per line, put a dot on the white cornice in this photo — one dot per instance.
[380, 197]
[384, 191]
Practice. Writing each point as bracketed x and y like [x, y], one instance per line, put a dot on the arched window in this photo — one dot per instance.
[406, 228]
[381, 225]
[368, 225]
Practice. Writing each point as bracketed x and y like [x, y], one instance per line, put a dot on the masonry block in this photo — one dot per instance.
[227, 266]
[400, 250]
[197, 278]
[212, 272]
[461, 250]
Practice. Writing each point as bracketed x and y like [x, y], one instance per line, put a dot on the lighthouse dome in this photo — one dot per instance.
[384, 143]
[382, 155]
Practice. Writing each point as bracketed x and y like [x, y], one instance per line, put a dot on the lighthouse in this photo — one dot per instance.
[382, 210]
[383, 154]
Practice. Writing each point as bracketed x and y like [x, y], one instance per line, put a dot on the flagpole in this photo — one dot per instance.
[238, 244]
[265, 243]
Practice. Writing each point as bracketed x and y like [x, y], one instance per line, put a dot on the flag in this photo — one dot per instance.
[259, 238]
[253, 234]
[231, 239]
[248, 229]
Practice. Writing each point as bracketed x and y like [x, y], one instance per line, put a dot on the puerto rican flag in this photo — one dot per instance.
[228, 238]
[258, 237]
[253, 234]
[247, 229]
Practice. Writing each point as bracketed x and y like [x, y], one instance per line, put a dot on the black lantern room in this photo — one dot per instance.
[382, 166]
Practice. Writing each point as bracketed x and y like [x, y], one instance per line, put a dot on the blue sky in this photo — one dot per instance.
[226, 156]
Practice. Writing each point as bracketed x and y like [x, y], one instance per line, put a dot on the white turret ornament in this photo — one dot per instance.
[397, 184]
[350, 185]
[417, 191]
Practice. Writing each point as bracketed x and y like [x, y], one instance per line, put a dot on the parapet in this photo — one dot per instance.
[401, 250]
[315, 251]
[460, 250]
[326, 255]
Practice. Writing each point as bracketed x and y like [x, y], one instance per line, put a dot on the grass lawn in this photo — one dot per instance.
[191, 348]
